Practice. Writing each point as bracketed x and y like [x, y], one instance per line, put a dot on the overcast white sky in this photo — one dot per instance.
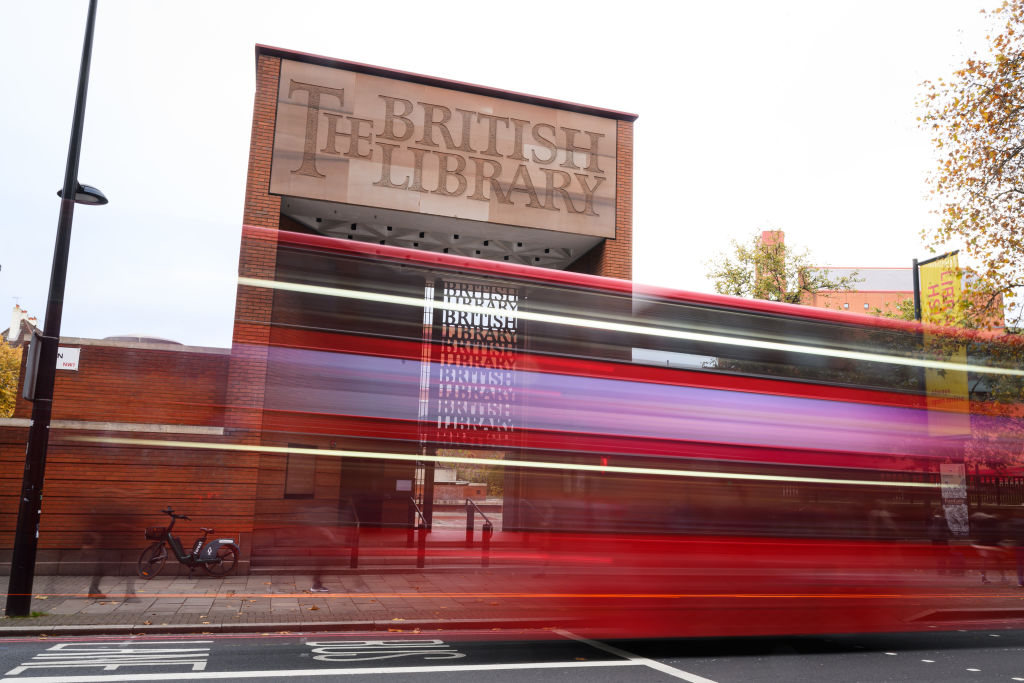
[797, 116]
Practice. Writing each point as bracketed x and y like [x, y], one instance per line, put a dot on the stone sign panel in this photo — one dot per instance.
[355, 138]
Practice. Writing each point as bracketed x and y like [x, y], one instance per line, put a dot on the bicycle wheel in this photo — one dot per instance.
[152, 560]
[227, 558]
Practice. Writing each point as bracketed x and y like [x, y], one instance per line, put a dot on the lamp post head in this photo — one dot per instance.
[87, 194]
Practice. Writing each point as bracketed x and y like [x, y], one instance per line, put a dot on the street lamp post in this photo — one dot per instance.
[26, 535]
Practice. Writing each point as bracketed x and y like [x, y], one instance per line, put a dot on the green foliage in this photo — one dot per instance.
[493, 475]
[488, 472]
[10, 366]
[772, 271]
[904, 310]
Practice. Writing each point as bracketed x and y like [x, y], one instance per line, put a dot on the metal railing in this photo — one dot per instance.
[353, 558]
[486, 531]
[417, 523]
[994, 490]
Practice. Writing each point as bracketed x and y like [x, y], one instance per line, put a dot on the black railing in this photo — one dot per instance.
[983, 490]
[418, 523]
[486, 531]
[353, 558]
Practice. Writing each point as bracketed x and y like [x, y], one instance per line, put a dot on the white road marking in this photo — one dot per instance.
[658, 666]
[113, 656]
[296, 673]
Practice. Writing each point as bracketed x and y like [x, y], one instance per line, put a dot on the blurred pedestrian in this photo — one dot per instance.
[321, 523]
[92, 555]
[102, 557]
[1015, 531]
[938, 533]
[987, 532]
[880, 521]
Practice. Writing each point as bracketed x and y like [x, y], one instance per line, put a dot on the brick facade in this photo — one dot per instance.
[254, 308]
[101, 491]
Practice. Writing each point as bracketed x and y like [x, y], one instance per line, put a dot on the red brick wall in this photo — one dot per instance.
[100, 491]
[125, 382]
[459, 492]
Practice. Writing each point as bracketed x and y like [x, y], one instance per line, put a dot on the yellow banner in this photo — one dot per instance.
[940, 290]
[948, 411]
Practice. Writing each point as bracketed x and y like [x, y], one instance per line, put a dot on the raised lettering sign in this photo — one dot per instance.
[359, 139]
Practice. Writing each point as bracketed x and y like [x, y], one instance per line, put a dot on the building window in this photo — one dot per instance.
[300, 473]
[846, 305]
[865, 307]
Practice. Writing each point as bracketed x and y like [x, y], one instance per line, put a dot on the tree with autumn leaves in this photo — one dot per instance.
[10, 366]
[976, 121]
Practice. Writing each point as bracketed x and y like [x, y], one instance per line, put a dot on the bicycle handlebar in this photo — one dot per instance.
[169, 511]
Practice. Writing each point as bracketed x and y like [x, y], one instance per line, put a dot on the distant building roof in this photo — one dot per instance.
[22, 326]
[142, 339]
[876, 279]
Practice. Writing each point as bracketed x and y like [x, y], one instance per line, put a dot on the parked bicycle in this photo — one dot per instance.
[217, 557]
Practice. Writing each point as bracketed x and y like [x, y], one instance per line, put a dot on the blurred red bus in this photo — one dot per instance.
[659, 462]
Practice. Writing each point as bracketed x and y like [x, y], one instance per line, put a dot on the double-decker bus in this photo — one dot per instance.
[650, 462]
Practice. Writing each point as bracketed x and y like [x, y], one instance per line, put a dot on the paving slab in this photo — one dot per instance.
[272, 603]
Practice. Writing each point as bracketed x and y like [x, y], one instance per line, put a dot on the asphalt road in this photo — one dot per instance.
[993, 655]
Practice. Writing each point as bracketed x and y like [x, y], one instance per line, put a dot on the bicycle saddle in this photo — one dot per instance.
[203, 528]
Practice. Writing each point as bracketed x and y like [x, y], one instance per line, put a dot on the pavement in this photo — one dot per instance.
[276, 603]
[409, 600]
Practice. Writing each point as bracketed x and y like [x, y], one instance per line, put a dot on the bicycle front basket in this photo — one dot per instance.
[155, 533]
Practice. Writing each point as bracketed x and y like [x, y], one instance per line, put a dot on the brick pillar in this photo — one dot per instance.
[614, 257]
[257, 258]
[618, 253]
